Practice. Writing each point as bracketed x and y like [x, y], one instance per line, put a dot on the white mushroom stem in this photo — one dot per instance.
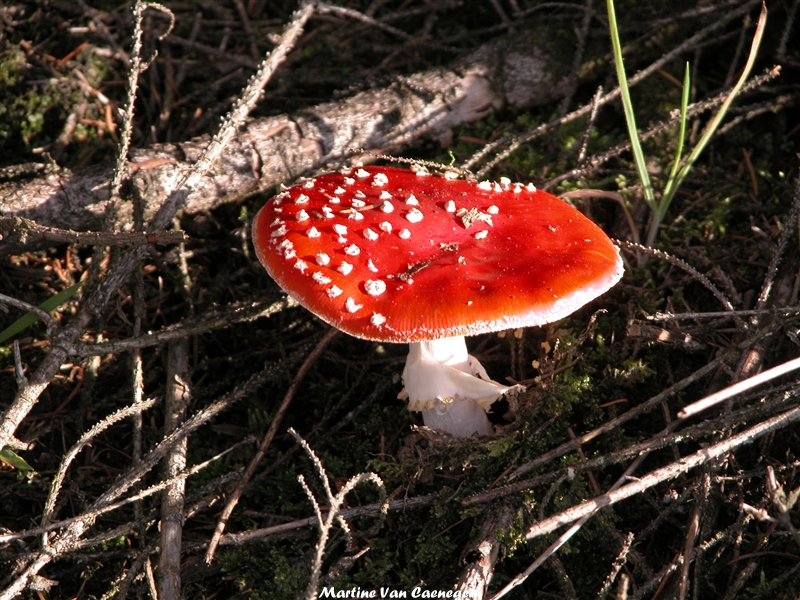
[450, 387]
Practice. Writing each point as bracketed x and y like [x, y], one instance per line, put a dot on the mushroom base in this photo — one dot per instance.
[450, 387]
[462, 418]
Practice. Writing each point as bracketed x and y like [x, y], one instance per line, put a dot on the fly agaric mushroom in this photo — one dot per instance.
[398, 255]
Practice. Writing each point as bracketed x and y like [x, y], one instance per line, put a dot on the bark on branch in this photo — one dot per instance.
[513, 71]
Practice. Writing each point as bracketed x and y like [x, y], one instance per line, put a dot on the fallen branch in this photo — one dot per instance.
[265, 152]
[671, 471]
[16, 230]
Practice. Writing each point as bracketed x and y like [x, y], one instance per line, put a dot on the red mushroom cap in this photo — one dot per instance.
[400, 255]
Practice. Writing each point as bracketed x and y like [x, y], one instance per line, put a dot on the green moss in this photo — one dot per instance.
[271, 574]
[33, 104]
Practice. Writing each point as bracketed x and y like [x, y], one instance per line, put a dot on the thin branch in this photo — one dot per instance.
[374, 509]
[137, 67]
[786, 311]
[564, 537]
[265, 443]
[63, 342]
[324, 8]
[738, 388]
[663, 474]
[780, 247]
[482, 553]
[69, 538]
[210, 321]
[21, 230]
[19, 370]
[612, 95]
[705, 281]
[176, 406]
[45, 316]
[691, 536]
[236, 117]
[643, 408]
[667, 437]
[619, 562]
[85, 439]
[137, 497]
[335, 501]
[693, 110]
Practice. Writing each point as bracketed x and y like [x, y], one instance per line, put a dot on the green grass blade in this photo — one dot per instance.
[48, 305]
[715, 122]
[12, 459]
[672, 182]
[630, 118]
[670, 188]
